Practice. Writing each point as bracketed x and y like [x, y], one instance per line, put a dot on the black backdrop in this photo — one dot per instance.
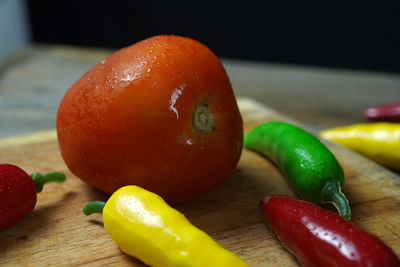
[341, 34]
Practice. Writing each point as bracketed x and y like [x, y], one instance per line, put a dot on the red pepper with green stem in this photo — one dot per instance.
[18, 192]
[318, 237]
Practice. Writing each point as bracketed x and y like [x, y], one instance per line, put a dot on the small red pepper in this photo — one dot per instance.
[318, 237]
[18, 192]
[387, 112]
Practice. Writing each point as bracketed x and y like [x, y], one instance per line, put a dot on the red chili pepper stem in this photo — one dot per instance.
[93, 207]
[42, 179]
[332, 193]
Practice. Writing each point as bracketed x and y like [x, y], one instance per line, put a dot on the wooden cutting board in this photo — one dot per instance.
[57, 233]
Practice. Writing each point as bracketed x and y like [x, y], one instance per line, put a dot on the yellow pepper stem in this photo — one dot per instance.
[93, 207]
[42, 179]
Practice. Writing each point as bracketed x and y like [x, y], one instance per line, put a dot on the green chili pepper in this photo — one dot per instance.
[312, 170]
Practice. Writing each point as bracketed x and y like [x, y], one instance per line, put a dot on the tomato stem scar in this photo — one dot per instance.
[203, 118]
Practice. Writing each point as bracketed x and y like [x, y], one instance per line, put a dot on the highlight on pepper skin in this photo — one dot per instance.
[318, 237]
[144, 226]
[386, 112]
[379, 141]
[309, 166]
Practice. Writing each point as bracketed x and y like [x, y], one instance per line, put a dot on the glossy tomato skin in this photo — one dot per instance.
[130, 120]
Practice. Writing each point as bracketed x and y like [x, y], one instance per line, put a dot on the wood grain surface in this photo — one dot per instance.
[57, 233]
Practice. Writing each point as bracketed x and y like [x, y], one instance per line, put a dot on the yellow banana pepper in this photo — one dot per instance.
[146, 227]
[378, 141]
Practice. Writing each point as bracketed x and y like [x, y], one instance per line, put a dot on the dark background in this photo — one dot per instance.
[340, 34]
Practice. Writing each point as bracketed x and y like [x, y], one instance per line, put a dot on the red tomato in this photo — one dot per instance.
[160, 114]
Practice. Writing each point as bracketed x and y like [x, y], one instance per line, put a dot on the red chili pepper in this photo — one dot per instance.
[387, 112]
[318, 237]
[18, 192]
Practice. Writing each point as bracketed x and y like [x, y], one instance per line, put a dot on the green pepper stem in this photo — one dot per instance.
[332, 193]
[42, 179]
[93, 207]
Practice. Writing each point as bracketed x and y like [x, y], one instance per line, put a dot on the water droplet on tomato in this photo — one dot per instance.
[175, 95]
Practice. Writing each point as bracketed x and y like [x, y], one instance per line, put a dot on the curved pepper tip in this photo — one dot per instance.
[332, 193]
